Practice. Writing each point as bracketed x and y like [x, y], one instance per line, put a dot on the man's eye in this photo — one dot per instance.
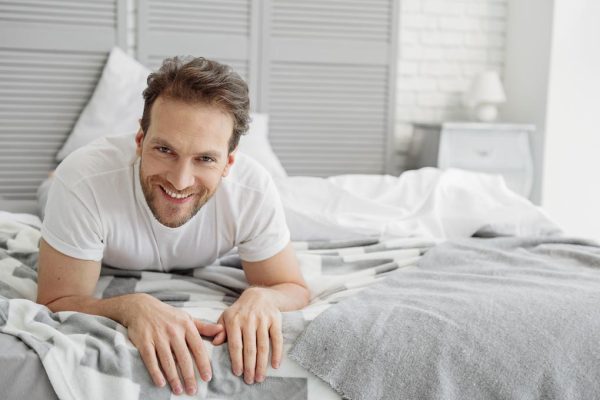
[163, 149]
[206, 159]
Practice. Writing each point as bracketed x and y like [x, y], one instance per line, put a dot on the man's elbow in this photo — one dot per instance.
[305, 294]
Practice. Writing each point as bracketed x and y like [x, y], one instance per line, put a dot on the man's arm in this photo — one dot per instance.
[276, 284]
[156, 329]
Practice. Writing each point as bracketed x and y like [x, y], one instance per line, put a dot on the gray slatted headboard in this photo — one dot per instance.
[323, 69]
[51, 56]
[328, 82]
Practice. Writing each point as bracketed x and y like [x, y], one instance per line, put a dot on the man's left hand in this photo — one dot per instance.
[250, 324]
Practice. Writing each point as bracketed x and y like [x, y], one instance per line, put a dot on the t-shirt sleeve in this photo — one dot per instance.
[71, 224]
[268, 232]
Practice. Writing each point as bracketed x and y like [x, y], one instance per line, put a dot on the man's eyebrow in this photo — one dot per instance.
[208, 153]
[160, 142]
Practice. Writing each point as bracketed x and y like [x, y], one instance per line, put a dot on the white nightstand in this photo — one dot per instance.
[494, 148]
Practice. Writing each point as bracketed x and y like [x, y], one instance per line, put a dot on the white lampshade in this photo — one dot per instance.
[485, 93]
[486, 88]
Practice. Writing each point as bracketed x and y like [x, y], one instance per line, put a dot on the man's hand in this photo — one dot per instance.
[254, 320]
[250, 324]
[156, 329]
[165, 335]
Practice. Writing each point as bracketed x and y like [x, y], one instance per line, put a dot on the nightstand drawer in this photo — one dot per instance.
[484, 151]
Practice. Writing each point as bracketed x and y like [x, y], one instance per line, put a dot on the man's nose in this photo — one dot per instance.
[182, 176]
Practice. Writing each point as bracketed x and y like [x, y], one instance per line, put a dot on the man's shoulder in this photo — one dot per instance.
[105, 156]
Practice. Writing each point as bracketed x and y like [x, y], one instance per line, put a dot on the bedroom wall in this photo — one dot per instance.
[443, 44]
[571, 194]
[527, 61]
[552, 64]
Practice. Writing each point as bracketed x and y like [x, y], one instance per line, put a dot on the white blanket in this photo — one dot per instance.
[426, 203]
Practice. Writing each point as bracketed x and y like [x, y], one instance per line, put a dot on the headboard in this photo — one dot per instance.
[51, 55]
[323, 69]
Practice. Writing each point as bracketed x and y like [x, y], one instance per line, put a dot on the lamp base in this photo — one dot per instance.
[486, 112]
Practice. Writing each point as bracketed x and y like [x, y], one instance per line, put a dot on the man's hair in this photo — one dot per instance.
[199, 80]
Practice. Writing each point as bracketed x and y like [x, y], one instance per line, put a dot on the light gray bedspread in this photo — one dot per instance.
[504, 318]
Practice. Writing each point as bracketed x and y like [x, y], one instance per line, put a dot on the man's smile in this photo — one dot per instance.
[175, 197]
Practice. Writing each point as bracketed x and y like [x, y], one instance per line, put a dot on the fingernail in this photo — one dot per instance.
[237, 372]
[206, 376]
[260, 378]
[276, 364]
[177, 389]
[191, 390]
[249, 381]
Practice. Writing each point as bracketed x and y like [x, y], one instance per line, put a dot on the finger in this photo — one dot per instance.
[276, 342]
[185, 363]
[262, 352]
[249, 346]
[208, 329]
[220, 338]
[234, 339]
[148, 354]
[200, 355]
[163, 349]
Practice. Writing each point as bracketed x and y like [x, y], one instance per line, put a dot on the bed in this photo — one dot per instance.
[508, 313]
[432, 284]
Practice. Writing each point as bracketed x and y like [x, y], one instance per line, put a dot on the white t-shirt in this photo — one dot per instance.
[96, 210]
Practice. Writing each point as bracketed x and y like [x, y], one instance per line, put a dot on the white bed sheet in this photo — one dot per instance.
[428, 202]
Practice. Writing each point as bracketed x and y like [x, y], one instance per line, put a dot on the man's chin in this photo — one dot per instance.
[173, 221]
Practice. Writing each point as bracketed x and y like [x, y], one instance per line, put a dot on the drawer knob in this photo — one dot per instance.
[483, 153]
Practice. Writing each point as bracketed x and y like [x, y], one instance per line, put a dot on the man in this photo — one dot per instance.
[177, 197]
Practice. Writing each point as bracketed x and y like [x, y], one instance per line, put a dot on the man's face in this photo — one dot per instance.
[184, 155]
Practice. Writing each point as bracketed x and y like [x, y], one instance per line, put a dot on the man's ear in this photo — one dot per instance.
[230, 161]
[139, 140]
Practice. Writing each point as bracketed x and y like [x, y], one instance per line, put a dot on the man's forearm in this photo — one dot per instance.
[287, 296]
[116, 308]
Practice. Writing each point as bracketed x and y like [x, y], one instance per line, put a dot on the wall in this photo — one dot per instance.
[571, 193]
[443, 44]
[526, 73]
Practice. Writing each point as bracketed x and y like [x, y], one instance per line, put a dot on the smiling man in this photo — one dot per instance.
[176, 196]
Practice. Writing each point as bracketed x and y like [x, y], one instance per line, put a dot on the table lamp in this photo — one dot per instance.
[484, 95]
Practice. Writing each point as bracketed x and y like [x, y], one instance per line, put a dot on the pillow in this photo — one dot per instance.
[255, 143]
[115, 106]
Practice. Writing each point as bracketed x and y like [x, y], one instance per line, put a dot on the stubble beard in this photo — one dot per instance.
[171, 215]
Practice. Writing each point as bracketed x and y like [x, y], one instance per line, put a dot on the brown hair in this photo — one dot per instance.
[199, 80]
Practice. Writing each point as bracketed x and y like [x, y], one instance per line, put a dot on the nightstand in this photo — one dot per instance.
[495, 148]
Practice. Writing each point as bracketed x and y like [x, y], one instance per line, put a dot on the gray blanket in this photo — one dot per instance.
[504, 318]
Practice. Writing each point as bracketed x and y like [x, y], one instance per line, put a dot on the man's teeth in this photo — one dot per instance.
[175, 195]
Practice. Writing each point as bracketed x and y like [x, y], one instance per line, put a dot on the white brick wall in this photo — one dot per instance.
[442, 45]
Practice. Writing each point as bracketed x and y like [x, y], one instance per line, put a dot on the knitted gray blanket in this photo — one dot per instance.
[509, 318]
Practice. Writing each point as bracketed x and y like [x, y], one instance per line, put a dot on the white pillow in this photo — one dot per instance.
[255, 143]
[116, 105]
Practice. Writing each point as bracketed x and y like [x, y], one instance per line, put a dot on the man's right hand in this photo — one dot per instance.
[165, 336]
[158, 330]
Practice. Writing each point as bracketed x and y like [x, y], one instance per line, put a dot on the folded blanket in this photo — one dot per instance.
[90, 357]
[504, 318]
